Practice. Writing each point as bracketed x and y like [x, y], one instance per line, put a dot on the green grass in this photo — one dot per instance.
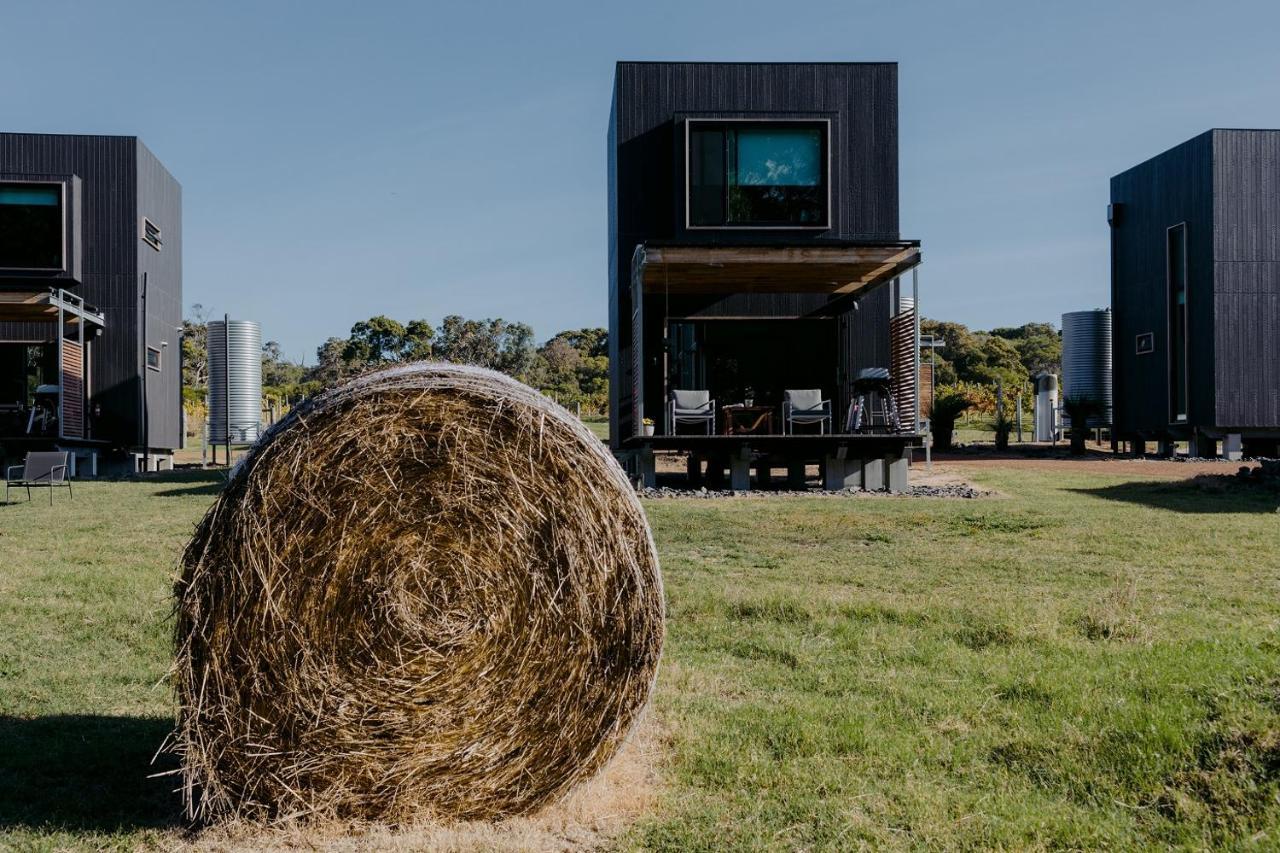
[598, 425]
[84, 645]
[1085, 663]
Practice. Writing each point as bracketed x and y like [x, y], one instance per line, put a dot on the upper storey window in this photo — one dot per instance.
[31, 223]
[758, 174]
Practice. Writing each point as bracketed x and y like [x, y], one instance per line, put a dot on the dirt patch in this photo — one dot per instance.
[588, 819]
[940, 476]
[1103, 465]
[960, 469]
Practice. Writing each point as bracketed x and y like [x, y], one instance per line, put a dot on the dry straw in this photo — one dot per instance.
[429, 592]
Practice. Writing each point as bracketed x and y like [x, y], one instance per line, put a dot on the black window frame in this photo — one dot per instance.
[823, 125]
[151, 234]
[63, 247]
[159, 358]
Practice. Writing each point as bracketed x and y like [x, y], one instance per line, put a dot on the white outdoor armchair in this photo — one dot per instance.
[691, 407]
[805, 407]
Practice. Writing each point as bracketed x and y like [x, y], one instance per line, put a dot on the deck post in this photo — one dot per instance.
[1233, 447]
[795, 475]
[740, 470]
[873, 474]
[896, 468]
[1201, 445]
[764, 474]
[1139, 447]
[850, 475]
[832, 473]
[840, 472]
[648, 468]
[693, 468]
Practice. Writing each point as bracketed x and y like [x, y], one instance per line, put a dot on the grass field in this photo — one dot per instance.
[599, 426]
[1084, 662]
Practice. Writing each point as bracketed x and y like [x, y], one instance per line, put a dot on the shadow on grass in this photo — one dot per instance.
[1204, 494]
[197, 482]
[86, 773]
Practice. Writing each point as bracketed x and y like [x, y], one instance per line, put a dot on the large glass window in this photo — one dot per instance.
[767, 174]
[23, 369]
[31, 226]
[1177, 273]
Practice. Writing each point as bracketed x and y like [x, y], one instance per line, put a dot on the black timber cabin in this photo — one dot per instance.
[90, 300]
[753, 249]
[1195, 295]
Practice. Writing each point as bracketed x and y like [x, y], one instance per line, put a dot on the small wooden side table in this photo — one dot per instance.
[746, 420]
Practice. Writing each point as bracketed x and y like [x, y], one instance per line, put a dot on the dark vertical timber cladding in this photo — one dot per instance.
[119, 182]
[107, 167]
[1171, 188]
[619, 323]
[865, 340]
[160, 201]
[646, 176]
[1246, 298]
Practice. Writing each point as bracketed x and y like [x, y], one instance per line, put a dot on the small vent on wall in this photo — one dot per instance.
[1145, 343]
[151, 234]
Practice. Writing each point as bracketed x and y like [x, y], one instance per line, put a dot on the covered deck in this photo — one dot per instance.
[747, 323]
[45, 344]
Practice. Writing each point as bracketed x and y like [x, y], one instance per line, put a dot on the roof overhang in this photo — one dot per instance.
[832, 270]
[44, 306]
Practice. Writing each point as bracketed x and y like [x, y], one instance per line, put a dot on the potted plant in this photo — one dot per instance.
[647, 426]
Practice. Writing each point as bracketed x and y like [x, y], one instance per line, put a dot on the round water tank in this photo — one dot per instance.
[1086, 358]
[1046, 420]
[235, 380]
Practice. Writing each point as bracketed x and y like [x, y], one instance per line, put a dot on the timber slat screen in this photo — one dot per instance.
[902, 367]
[72, 390]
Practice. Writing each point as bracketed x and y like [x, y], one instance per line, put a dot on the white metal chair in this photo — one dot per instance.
[805, 407]
[42, 470]
[691, 407]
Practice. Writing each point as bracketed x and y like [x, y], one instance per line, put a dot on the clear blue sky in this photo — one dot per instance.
[341, 160]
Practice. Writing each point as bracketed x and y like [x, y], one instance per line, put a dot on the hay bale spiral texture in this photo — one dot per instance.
[427, 592]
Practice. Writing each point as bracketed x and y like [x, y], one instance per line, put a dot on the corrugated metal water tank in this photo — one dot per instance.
[235, 380]
[1086, 358]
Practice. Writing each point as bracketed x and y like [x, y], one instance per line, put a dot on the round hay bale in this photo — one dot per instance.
[429, 591]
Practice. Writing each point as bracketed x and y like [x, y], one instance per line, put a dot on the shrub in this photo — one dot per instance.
[1080, 409]
[948, 405]
[1004, 426]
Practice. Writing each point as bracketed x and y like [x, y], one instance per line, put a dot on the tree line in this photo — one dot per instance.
[1009, 355]
[572, 366]
[987, 372]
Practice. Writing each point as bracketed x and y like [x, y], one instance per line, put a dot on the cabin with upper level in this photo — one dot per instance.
[1195, 296]
[90, 300]
[762, 302]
